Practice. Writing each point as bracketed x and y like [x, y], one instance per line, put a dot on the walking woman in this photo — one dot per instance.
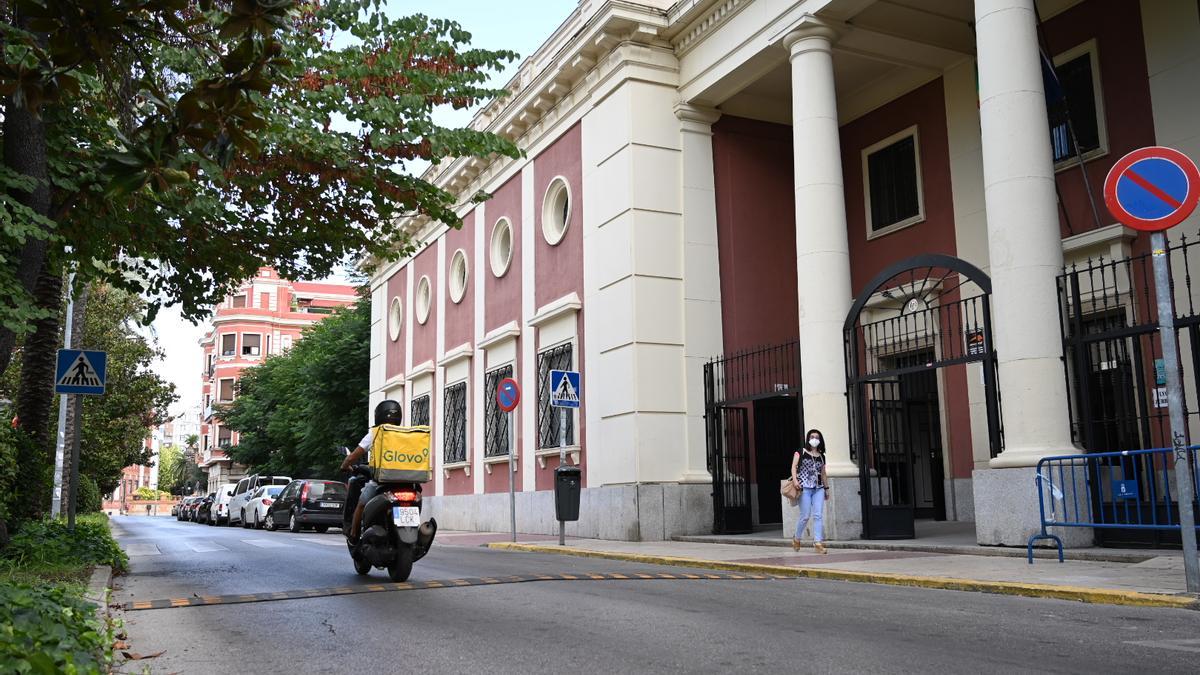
[808, 473]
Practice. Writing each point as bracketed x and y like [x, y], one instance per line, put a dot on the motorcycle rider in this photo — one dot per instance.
[387, 412]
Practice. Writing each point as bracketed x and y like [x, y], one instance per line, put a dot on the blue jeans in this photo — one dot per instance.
[812, 505]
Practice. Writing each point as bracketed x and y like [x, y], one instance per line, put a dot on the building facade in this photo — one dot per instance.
[267, 315]
[744, 218]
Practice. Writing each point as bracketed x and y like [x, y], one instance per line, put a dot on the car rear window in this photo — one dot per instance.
[323, 490]
[274, 490]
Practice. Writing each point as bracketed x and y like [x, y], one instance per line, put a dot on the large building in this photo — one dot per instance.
[263, 317]
[744, 218]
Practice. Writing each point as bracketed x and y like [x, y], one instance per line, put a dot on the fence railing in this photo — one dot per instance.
[1128, 490]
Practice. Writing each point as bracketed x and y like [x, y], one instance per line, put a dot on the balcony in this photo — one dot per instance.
[208, 412]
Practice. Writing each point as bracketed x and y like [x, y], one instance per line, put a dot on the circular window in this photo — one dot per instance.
[556, 211]
[395, 318]
[458, 276]
[424, 299]
[502, 247]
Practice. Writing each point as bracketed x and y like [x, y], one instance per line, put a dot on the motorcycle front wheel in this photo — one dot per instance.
[361, 565]
[401, 565]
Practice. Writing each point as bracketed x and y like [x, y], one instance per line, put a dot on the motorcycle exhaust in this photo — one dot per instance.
[425, 534]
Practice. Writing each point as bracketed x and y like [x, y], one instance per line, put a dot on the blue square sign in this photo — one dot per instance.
[80, 372]
[564, 389]
[1125, 489]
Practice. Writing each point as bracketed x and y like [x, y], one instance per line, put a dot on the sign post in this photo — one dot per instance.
[508, 395]
[564, 395]
[79, 373]
[1154, 189]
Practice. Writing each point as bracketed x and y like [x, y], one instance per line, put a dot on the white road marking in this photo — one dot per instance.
[205, 547]
[141, 549]
[1175, 645]
[265, 543]
[328, 541]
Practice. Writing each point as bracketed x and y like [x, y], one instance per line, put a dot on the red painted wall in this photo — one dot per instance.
[425, 336]
[504, 294]
[394, 349]
[559, 267]
[1116, 25]
[460, 317]
[756, 232]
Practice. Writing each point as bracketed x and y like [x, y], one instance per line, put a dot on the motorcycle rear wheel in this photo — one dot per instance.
[401, 565]
[361, 565]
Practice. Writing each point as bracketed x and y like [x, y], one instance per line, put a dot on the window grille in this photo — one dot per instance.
[455, 427]
[556, 358]
[892, 174]
[495, 427]
[419, 413]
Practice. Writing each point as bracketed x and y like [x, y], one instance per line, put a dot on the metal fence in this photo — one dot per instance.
[1128, 491]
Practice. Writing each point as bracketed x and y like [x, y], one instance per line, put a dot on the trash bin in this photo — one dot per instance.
[567, 482]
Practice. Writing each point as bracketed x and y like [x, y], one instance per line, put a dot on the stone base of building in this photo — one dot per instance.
[641, 512]
[960, 500]
[843, 512]
[1006, 509]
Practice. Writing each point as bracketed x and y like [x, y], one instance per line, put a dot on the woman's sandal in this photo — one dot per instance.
[795, 544]
[820, 547]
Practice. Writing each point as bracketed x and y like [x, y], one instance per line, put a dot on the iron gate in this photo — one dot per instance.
[911, 320]
[1115, 376]
[731, 386]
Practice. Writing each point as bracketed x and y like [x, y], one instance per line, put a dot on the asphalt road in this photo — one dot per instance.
[776, 625]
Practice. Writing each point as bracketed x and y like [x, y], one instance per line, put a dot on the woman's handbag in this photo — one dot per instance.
[787, 488]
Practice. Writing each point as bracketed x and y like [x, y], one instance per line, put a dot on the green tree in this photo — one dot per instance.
[171, 468]
[116, 425]
[185, 143]
[294, 411]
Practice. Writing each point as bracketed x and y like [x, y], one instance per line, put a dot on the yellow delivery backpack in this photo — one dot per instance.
[401, 454]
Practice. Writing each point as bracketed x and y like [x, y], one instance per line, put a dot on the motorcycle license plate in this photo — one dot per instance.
[330, 505]
[406, 516]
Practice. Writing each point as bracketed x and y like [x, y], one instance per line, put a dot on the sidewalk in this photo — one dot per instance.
[1147, 578]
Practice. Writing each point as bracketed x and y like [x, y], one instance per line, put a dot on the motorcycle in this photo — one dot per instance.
[392, 536]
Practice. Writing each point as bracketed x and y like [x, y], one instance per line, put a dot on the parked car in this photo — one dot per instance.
[175, 509]
[256, 508]
[220, 508]
[242, 491]
[187, 508]
[204, 509]
[303, 503]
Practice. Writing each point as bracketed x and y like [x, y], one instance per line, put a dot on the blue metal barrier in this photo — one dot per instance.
[1109, 490]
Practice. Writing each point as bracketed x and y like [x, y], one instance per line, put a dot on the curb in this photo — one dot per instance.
[1103, 596]
[98, 588]
[991, 551]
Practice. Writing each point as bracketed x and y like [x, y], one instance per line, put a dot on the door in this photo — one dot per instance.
[888, 467]
[776, 437]
[729, 463]
[922, 434]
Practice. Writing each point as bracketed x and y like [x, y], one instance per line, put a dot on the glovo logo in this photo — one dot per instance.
[406, 457]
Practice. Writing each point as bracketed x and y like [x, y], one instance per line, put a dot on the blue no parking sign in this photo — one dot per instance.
[1153, 188]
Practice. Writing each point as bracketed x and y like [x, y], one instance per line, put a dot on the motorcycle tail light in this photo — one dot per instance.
[406, 496]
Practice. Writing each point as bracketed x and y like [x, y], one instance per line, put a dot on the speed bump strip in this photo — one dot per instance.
[206, 600]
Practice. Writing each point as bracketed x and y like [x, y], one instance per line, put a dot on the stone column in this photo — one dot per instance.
[702, 336]
[1025, 257]
[822, 267]
[822, 247]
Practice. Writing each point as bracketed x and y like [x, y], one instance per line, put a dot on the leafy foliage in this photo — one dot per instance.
[49, 628]
[49, 543]
[295, 409]
[171, 467]
[89, 496]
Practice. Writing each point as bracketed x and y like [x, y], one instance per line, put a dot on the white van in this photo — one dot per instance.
[220, 505]
[242, 492]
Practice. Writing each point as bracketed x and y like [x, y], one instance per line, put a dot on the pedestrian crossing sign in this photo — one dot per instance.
[564, 389]
[80, 372]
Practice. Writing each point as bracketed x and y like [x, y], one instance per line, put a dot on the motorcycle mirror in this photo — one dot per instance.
[345, 450]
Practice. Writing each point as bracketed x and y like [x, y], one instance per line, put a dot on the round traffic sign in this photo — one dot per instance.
[1152, 188]
[508, 394]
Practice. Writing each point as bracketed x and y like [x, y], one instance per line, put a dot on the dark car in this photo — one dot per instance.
[204, 509]
[305, 503]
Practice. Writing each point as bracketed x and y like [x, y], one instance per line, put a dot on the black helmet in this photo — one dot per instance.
[389, 412]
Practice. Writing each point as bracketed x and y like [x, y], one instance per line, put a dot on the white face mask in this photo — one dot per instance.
[814, 442]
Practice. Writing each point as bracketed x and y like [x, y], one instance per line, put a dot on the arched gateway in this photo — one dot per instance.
[918, 316]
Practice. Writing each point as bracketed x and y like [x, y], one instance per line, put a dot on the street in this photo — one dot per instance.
[615, 625]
